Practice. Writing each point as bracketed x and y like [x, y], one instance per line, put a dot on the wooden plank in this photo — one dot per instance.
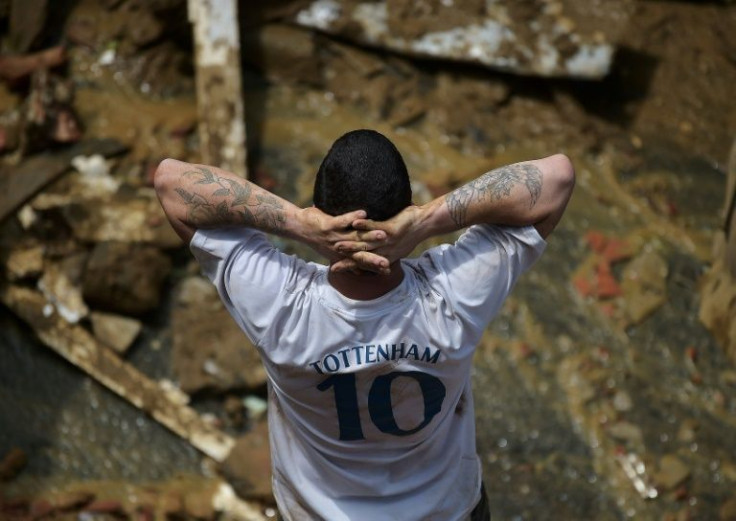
[21, 182]
[219, 86]
[79, 347]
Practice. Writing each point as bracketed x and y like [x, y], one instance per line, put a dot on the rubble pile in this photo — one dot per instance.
[599, 394]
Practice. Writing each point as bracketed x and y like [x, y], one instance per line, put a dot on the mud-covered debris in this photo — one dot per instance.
[136, 217]
[125, 278]
[16, 67]
[118, 332]
[24, 261]
[19, 183]
[208, 348]
[61, 284]
[497, 37]
[27, 21]
[285, 53]
[248, 467]
[12, 463]
[95, 175]
[48, 113]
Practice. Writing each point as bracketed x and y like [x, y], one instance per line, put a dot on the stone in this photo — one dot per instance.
[209, 350]
[671, 472]
[625, 431]
[125, 278]
[115, 331]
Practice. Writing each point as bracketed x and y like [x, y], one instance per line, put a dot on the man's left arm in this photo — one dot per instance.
[198, 196]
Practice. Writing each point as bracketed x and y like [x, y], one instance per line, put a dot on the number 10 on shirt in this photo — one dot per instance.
[379, 402]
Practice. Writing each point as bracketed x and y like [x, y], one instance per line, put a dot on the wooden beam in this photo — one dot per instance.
[219, 85]
[79, 347]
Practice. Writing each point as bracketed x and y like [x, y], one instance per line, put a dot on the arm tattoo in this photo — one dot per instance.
[238, 206]
[493, 186]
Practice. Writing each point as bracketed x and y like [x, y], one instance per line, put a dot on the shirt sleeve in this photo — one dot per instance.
[476, 274]
[255, 280]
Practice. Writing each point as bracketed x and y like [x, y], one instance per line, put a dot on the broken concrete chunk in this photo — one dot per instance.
[60, 284]
[116, 331]
[500, 37]
[210, 352]
[125, 278]
[138, 218]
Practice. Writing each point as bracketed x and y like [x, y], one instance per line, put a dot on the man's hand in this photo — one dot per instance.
[324, 233]
[391, 240]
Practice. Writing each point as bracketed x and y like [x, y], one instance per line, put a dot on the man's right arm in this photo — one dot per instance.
[522, 194]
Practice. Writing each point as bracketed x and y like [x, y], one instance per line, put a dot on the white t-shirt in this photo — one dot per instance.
[370, 405]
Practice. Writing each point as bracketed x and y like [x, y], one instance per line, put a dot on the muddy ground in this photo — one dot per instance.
[599, 393]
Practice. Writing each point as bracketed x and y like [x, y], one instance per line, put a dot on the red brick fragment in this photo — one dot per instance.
[617, 250]
[596, 241]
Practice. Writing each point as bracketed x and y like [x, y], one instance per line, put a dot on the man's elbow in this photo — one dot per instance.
[563, 174]
[163, 176]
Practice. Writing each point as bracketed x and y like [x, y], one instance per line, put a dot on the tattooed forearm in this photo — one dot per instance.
[231, 202]
[493, 186]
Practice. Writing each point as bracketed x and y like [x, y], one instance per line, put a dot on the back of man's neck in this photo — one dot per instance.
[366, 286]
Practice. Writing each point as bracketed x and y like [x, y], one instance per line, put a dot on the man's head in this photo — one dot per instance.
[363, 171]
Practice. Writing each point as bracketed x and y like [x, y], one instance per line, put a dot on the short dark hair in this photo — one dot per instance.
[363, 170]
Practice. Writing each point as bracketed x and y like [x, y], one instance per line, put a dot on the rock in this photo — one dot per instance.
[622, 401]
[212, 353]
[116, 331]
[625, 431]
[12, 463]
[671, 472]
[248, 467]
[125, 278]
[687, 430]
